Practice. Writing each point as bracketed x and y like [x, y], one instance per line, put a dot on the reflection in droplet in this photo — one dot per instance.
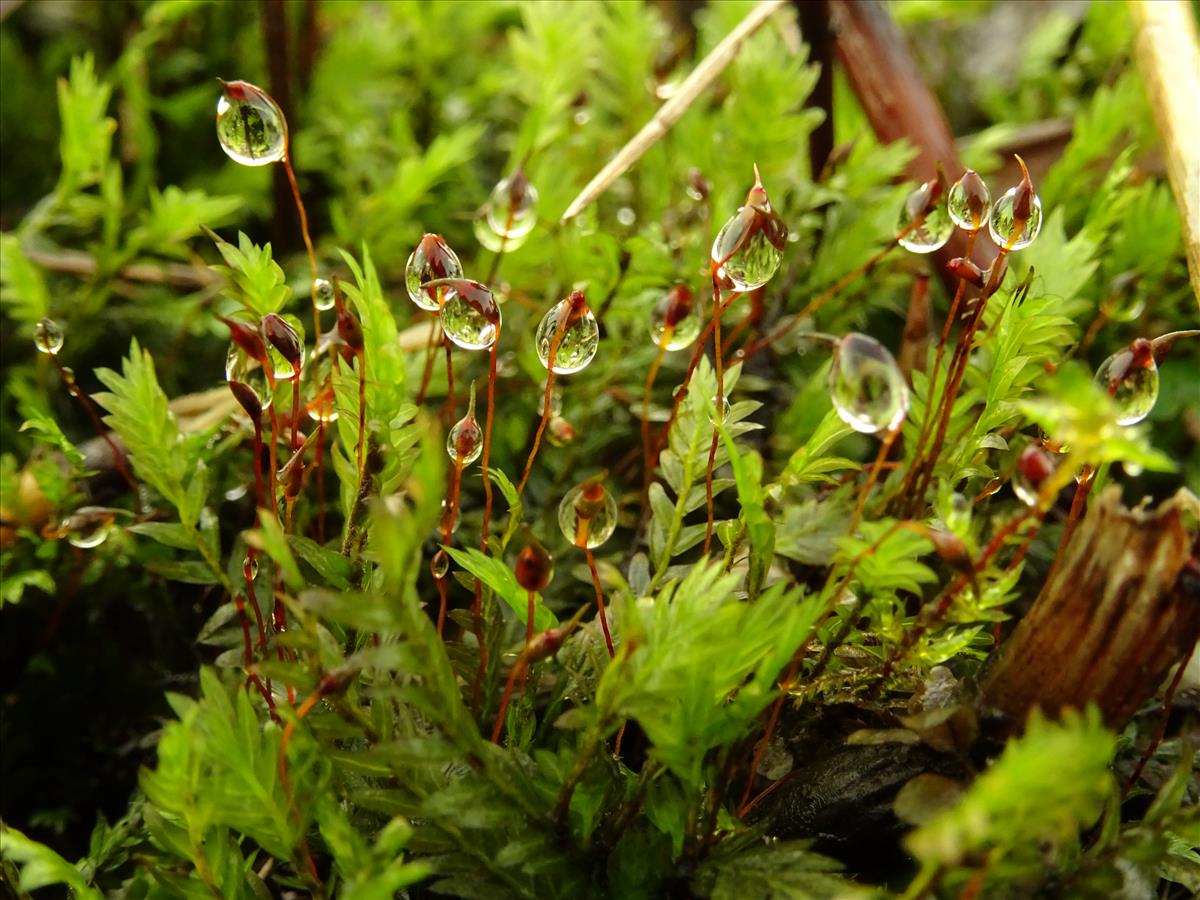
[675, 320]
[926, 220]
[48, 336]
[1130, 377]
[250, 125]
[969, 201]
[867, 386]
[471, 317]
[569, 329]
[587, 514]
[432, 260]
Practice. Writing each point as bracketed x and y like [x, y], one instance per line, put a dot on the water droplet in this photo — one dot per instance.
[323, 292]
[471, 317]
[749, 247]
[87, 527]
[712, 419]
[1130, 377]
[241, 368]
[1132, 469]
[560, 432]
[433, 259]
[587, 511]
[1017, 216]
[934, 230]
[969, 201]
[465, 441]
[556, 396]
[249, 568]
[534, 567]
[1001, 225]
[511, 209]
[439, 566]
[678, 313]
[48, 336]
[867, 386]
[698, 187]
[445, 514]
[572, 325]
[285, 344]
[1034, 466]
[582, 117]
[250, 125]
[626, 216]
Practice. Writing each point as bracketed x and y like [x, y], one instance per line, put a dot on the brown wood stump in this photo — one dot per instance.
[1120, 608]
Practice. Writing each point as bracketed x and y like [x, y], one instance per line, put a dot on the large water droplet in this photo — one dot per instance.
[465, 440]
[675, 320]
[1003, 226]
[511, 209]
[568, 332]
[439, 566]
[933, 230]
[749, 247]
[323, 294]
[433, 259]
[249, 568]
[969, 201]
[587, 514]
[1034, 466]
[47, 336]
[88, 527]
[285, 343]
[446, 514]
[240, 367]
[471, 317]
[1130, 377]
[867, 386]
[250, 125]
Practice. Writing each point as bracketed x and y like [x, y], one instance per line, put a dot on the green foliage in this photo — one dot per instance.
[823, 610]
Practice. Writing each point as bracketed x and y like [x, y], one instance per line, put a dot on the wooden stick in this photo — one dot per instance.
[1168, 55]
[670, 112]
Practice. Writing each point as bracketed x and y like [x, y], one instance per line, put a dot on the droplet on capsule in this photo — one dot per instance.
[88, 527]
[323, 294]
[249, 568]
[1034, 466]
[48, 337]
[568, 332]
[511, 209]
[675, 320]
[471, 316]
[1016, 217]
[453, 526]
[749, 247]
[587, 514]
[969, 201]
[924, 224]
[285, 344]
[250, 125]
[439, 566]
[432, 260]
[464, 443]
[1130, 377]
[560, 432]
[866, 385]
[243, 370]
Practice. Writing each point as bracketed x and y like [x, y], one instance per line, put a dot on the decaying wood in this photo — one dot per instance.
[1168, 55]
[1119, 609]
